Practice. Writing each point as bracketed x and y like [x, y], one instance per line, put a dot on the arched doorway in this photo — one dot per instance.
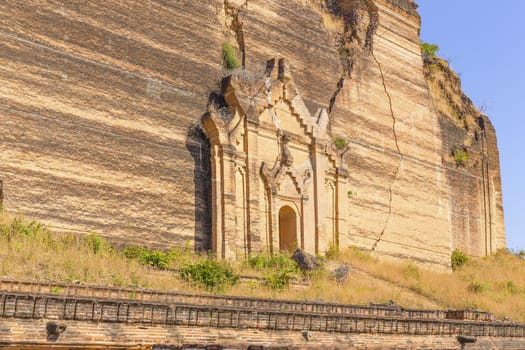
[287, 229]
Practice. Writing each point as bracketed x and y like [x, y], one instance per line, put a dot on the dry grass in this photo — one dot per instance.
[29, 251]
[495, 283]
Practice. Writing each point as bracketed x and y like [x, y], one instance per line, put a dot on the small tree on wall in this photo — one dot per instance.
[461, 156]
[229, 57]
[429, 50]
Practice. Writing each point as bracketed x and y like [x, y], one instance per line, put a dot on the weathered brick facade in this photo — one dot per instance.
[101, 106]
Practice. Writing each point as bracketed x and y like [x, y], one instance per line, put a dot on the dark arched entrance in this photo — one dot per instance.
[287, 229]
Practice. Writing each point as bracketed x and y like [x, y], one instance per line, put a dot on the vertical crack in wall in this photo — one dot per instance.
[1, 194]
[355, 38]
[401, 158]
[373, 13]
[361, 20]
[347, 55]
[348, 65]
[234, 24]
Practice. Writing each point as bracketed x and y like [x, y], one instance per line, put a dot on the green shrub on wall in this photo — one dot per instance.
[461, 156]
[429, 50]
[229, 57]
[340, 143]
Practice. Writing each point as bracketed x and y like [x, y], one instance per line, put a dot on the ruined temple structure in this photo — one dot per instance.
[122, 118]
[278, 180]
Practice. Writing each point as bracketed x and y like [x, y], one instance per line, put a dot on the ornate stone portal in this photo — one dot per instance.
[278, 179]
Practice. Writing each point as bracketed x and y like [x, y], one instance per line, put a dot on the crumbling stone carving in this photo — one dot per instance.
[270, 159]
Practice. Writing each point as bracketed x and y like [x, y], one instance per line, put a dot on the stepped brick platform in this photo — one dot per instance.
[43, 315]
[139, 294]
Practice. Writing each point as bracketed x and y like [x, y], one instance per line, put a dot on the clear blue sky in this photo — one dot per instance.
[484, 41]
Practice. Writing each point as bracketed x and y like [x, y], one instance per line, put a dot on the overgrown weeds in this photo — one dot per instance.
[270, 261]
[458, 259]
[97, 244]
[229, 57]
[214, 276]
[494, 283]
[461, 156]
[340, 143]
[278, 270]
[29, 250]
[279, 279]
[429, 50]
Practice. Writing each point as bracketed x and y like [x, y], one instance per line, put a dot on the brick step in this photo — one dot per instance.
[146, 295]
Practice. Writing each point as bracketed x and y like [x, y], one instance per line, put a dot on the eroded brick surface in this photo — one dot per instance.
[99, 103]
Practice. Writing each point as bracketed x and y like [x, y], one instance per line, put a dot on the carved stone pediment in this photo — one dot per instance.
[271, 159]
[273, 177]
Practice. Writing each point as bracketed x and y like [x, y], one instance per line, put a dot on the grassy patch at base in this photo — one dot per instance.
[30, 251]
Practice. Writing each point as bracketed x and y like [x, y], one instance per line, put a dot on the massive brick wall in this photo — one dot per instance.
[476, 213]
[31, 334]
[99, 103]
[395, 146]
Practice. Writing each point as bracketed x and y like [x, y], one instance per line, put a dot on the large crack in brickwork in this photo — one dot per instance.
[340, 84]
[354, 40]
[357, 40]
[401, 157]
[373, 13]
[234, 24]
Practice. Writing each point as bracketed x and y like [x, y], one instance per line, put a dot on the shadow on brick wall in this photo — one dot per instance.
[199, 147]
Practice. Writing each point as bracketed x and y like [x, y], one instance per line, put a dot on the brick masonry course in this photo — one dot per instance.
[28, 320]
